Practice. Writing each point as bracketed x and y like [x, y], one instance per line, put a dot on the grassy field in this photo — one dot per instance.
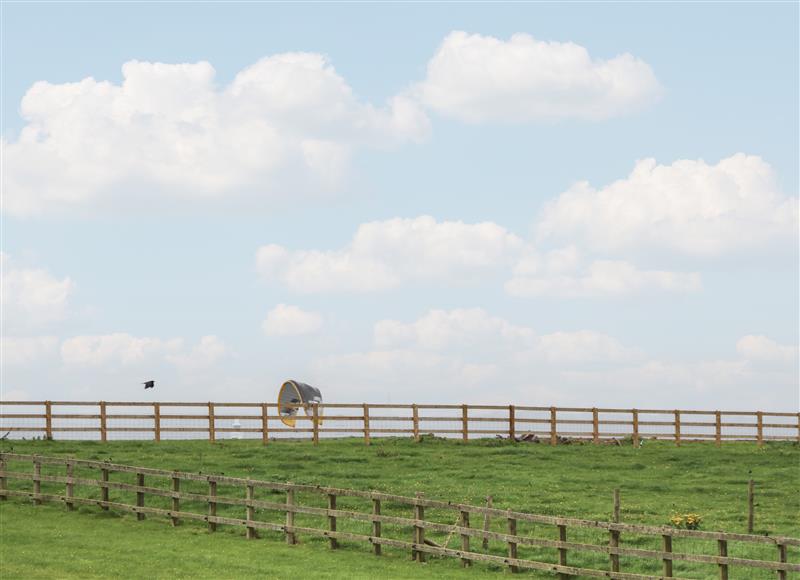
[656, 481]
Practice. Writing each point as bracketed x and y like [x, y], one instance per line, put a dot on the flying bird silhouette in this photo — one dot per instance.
[149, 384]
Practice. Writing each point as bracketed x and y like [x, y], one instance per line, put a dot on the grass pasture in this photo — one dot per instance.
[655, 480]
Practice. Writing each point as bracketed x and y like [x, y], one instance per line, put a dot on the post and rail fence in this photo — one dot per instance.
[106, 420]
[567, 547]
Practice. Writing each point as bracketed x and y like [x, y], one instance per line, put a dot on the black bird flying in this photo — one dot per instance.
[149, 384]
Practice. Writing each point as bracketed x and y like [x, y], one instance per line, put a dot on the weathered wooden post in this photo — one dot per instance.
[212, 432]
[614, 539]
[70, 492]
[140, 495]
[465, 562]
[3, 478]
[419, 528]
[485, 542]
[512, 423]
[415, 421]
[666, 543]
[291, 537]
[595, 427]
[750, 506]
[782, 559]
[157, 421]
[718, 430]
[464, 424]
[553, 427]
[562, 552]
[37, 482]
[103, 432]
[376, 526]
[264, 424]
[176, 501]
[251, 512]
[315, 426]
[48, 420]
[332, 520]
[366, 424]
[677, 431]
[212, 505]
[760, 428]
[104, 489]
[512, 545]
[722, 550]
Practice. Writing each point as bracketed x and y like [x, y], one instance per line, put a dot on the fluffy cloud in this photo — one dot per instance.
[688, 207]
[460, 352]
[563, 273]
[477, 78]
[285, 320]
[167, 134]
[385, 254]
[116, 349]
[32, 296]
[758, 348]
[207, 353]
[443, 329]
[27, 350]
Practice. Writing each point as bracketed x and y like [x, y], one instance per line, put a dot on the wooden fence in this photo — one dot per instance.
[552, 425]
[553, 544]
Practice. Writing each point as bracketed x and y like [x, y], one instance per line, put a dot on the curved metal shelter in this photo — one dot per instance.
[292, 396]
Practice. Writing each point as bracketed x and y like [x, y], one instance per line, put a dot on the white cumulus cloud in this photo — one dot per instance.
[478, 78]
[116, 349]
[759, 348]
[27, 350]
[32, 296]
[168, 134]
[286, 320]
[386, 254]
[689, 207]
[564, 273]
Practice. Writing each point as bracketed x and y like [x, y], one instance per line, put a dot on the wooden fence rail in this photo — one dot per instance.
[406, 532]
[553, 425]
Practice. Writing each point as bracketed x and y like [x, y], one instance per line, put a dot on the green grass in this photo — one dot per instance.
[576, 480]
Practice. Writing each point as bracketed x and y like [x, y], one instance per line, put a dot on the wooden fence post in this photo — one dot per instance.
[366, 424]
[760, 428]
[264, 424]
[722, 550]
[666, 540]
[419, 530]
[553, 427]
[251, 512]
[415, 421]
[464, 424]
[176, 501]
[562, 552]
[3, 478]
[291, 537]
[677, 430]
[512, 423]
[614, 534]
[782, 559]
[465, 562]
[718, 433]
[798, 427]
[512, 546]
[140, 495]
[212, 434]
[750, 506]
[595, 427]
[157, 421]
[635, 413]
[315, 421]
[48, 420]
[70, 492]
[485, 542]
[104, 488]
[103, 433]
[37, 483]
[376, 526]
[332, 519]
[212, 505]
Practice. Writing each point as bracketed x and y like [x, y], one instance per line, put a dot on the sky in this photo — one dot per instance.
[585, 204]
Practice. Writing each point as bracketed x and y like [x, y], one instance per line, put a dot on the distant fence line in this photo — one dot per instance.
[553, 425]
[597, 545]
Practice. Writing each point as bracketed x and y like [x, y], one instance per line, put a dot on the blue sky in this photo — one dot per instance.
[135, 221]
